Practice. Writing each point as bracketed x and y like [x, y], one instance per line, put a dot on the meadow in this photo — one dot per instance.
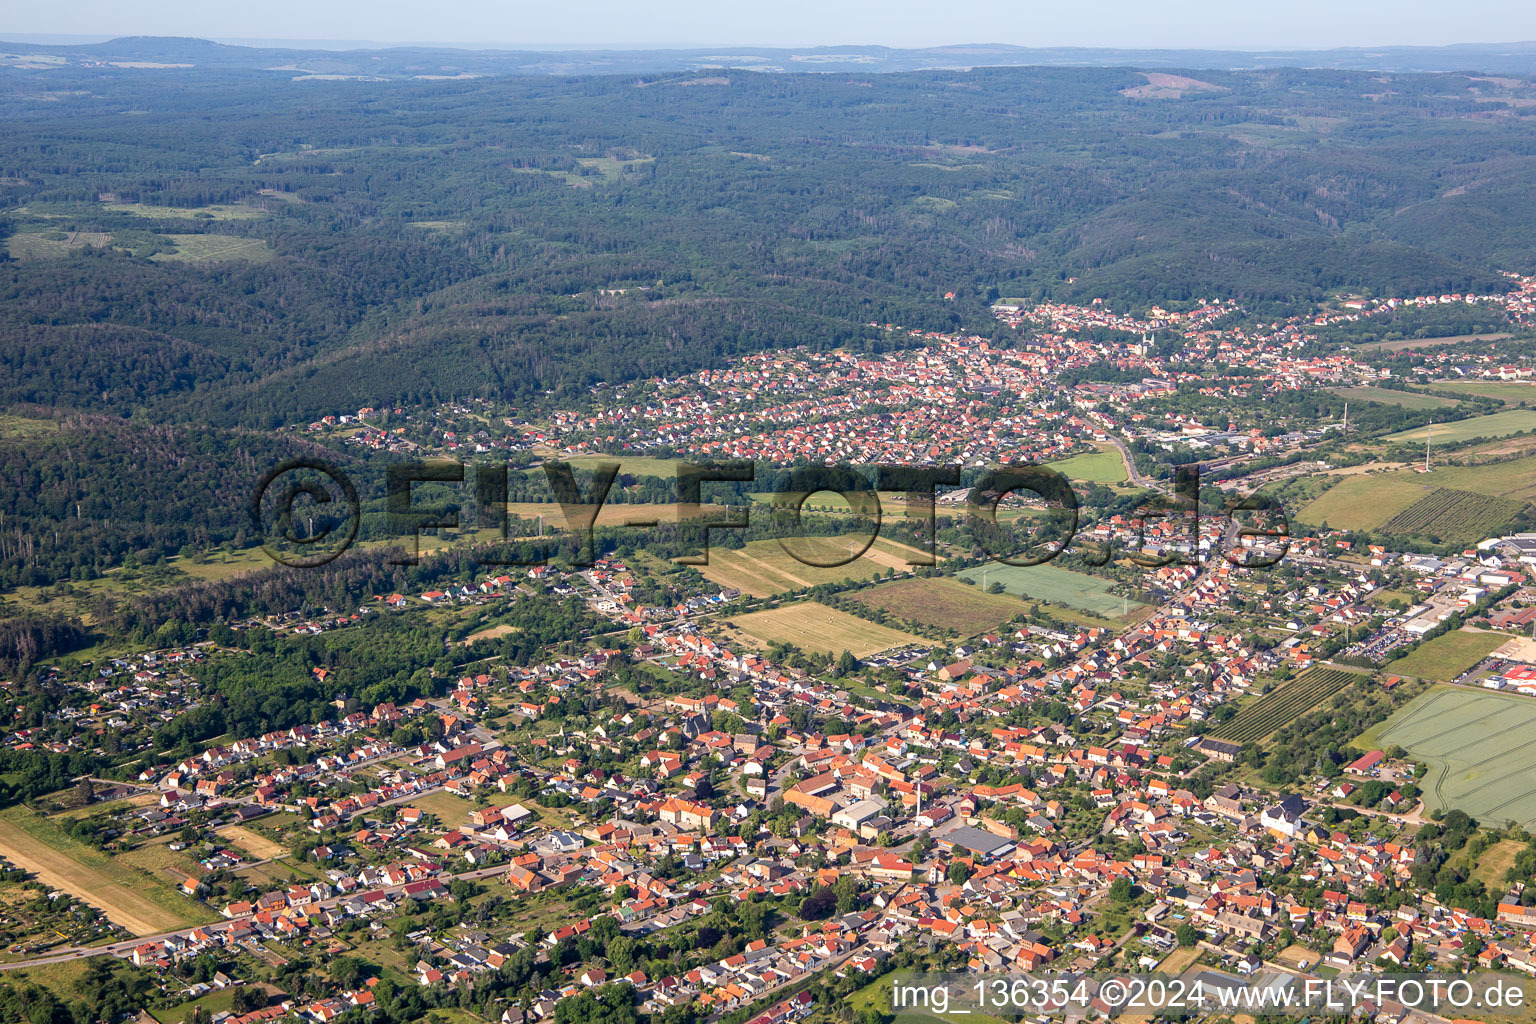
[1104, 466]
[216, 248]
[1447, 656]
[1388, 396]
[1509, 392]
[1495, 424]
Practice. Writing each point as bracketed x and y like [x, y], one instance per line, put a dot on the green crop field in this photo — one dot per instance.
[1387, 396]
[1453, 515]
[1495, 424]
[1104, 466]
[1261, 717]
[1058, 586]
[1509, 392]
[1479, 747]
[1446, 657]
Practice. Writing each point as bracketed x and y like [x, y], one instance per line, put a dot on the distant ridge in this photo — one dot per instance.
[413, 61]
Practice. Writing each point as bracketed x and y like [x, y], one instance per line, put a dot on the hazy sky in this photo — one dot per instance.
[905, 23]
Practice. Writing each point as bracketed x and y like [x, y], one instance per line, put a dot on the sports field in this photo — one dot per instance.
[1104, 466]
[942, 603]
[763, 568]
[1386, 396]
[815, 627]
[1446, 657]
[1495, 424]
[140, 901]
[1480, 747]
[1059, 586]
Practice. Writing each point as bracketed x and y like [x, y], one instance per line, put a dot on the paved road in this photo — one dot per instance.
[1132, 472]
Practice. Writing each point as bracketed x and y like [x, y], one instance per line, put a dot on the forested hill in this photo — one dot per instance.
[259, 250]
[375, 61]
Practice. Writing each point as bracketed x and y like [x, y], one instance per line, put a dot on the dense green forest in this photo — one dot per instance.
[257, 251]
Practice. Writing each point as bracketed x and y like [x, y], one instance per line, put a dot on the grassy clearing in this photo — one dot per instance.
[1104, 466]
[815, 627]
[220, 1001]
[449, 810]
[1496, 862]
[139, 900]
[942, 604]
[1495, 424]
[222, 211]
[1057, 586]
[253, 843]
[36, 245]
[1387, 396]
[1446, 657]
[216, 248]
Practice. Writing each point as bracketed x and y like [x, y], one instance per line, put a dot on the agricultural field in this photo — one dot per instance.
[1257, 719]
[1104, 466]
[943, 604]
[1387, 396]
[1509, 392]
[1453, 515]
[1054, 585]
[1365, 502]
[1401, 344]
[216, 248]
[140, 901]
[1478, 747]
[1448, 656]
[1495, 424]
[815, 627]
[763, 568]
